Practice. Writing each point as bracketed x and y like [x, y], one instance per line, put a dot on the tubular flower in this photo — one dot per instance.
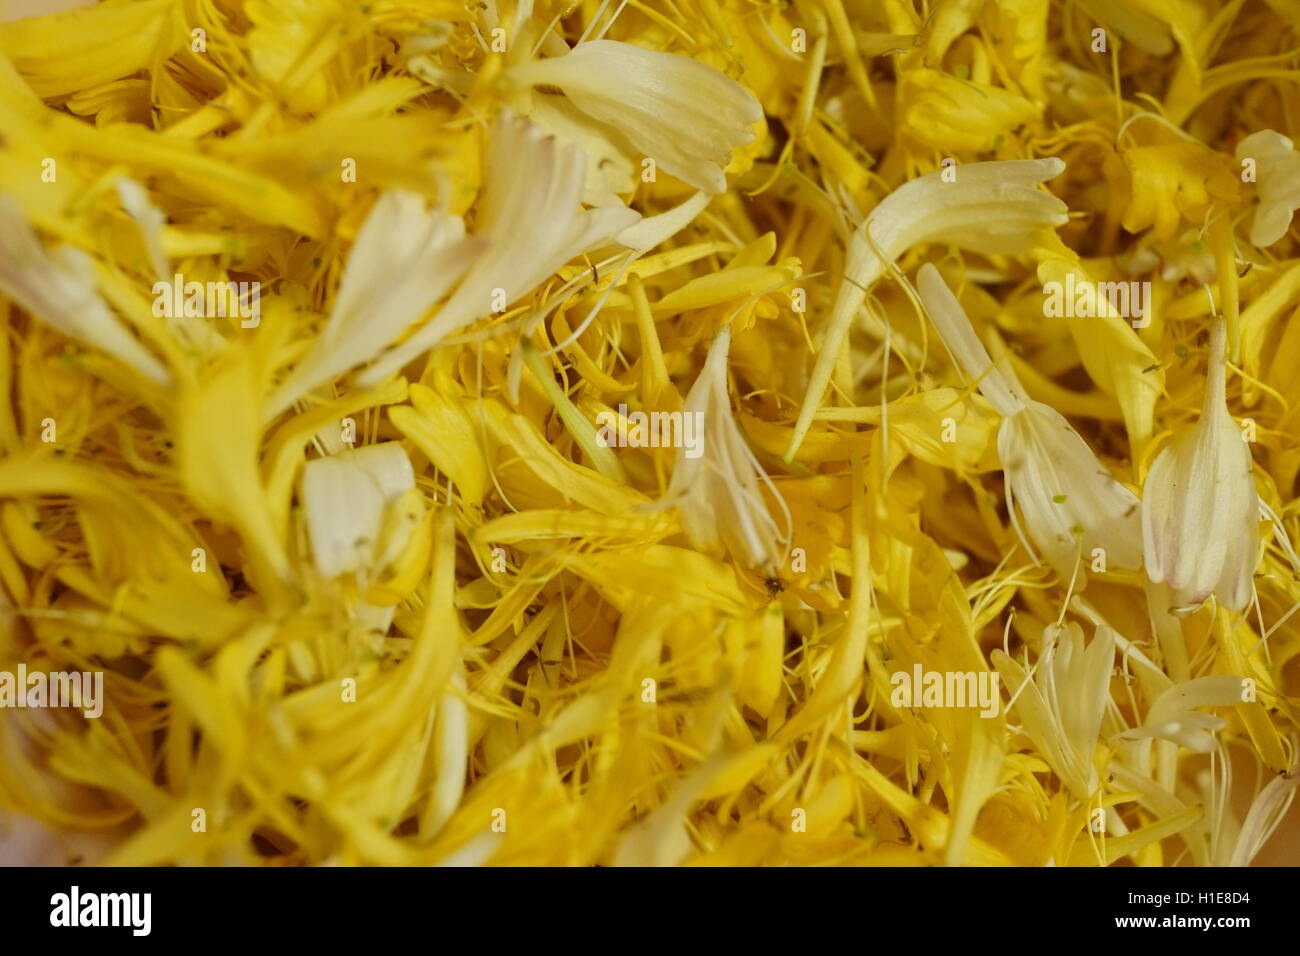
[532, 221]
[149, 219]
[1063, 700]
[59, 288]
[1267, 811]
[1200, 510]
[719, 491]
[682, 113]
[1173, 716]
[1070, 502]
[404, 260]
[1227, 838]
[991, 207]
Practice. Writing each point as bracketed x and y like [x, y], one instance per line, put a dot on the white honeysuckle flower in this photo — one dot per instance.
[640, 237]
[1173, 716]
[149, 219]
[59, 287]
[718, 492]
[1266, 813]
[533, 221]
[1227, 842]
[1070, 502]
[1277, 177]
[405, 258]
[348, 501]
[1062, 703]
[683, 114]
[1200, 510]
[992, 207]
[193, 330]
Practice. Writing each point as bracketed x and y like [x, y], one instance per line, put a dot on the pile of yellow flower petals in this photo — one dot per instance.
[352, 358]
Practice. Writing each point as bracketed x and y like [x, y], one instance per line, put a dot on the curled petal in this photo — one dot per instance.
[684, 114]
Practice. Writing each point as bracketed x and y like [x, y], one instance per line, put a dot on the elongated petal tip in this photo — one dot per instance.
[1200, 508]
[931, 209]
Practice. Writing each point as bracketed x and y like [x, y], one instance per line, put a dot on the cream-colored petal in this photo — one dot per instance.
[345, 497]
[1200, 509]
[1062, 705]
[955, 330]
[60, 289]
[533, 222]
[682, 113]
[1173, 716]
[1277, 172]
[720, 493]
[150, 220]
[404, 260]
[992, 207]
[1266, 813]
[611, 172]
[1070, 502]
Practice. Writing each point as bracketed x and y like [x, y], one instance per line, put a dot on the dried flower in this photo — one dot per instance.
[719, 492]
[59, 288]
[681, 113]
[1200, 510]
[1071, 504]
[988, 207]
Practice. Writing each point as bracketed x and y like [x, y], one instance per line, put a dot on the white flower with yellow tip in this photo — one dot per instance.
[533, 221]
[1277, 175]
[1200, 510]
[1061, 703]
[149, 220]
[192, 330]
[59, 287]
[682, 113]
[992, 207]
[404, 260]
[352, 502]
[718, 493]
[1173, 715]
[1233, 844]
[1071, 504]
